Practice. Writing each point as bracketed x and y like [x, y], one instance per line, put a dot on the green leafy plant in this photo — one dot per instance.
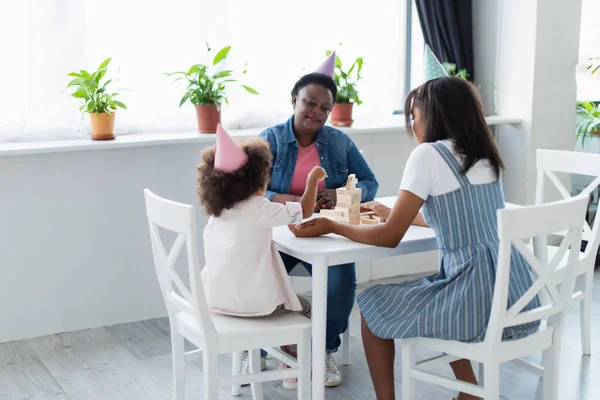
[94, 94]
[594, 64]
[588, 116]
[204, 86]
[451, 70]
[346, 80]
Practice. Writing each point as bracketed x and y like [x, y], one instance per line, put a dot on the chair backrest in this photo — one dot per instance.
[515, 226]
[180, 219]
[570, 162]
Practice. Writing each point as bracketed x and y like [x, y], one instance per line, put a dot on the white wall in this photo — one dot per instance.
[534, 65]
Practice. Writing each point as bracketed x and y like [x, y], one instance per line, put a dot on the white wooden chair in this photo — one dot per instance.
[213, 334]
[514, 225]
[551, 161]
[238, 356]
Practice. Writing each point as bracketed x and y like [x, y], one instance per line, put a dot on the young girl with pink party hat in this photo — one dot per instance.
[244, 274]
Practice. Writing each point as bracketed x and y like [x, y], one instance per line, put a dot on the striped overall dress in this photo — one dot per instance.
[455, 303]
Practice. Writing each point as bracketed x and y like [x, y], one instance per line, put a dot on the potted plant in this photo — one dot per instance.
[588, 120]
[347, 96]
[206, 90]
[98, 102]
[451, 70]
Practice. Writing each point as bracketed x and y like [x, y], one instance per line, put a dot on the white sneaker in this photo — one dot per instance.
[246, 365]
[333, 377]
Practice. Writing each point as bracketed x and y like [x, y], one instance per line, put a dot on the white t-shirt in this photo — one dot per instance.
[427, 174]
[244, 274]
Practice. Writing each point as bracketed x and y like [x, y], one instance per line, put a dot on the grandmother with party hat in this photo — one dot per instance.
[452, 182]
[298, 145]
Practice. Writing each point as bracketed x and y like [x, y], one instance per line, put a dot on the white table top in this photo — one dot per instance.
[339, 250]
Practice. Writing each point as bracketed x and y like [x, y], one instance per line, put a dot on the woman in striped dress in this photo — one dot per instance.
[454, 175]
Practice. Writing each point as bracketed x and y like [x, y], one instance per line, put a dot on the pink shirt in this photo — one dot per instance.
[308, 158]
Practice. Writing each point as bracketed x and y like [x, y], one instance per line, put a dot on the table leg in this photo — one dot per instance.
[319, 320]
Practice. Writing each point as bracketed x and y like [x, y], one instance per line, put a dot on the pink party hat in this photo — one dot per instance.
[229, 156]
[328, 66]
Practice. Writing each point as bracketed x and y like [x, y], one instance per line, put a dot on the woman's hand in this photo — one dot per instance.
[378, 208]
[313, 227]
[326, 199]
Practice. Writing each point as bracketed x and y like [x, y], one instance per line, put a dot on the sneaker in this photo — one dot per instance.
[333, 377]
[246, 364]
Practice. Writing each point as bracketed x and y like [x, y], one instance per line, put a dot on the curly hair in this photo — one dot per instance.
[219, 191]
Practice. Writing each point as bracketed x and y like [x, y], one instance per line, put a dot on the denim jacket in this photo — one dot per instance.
[339, 157]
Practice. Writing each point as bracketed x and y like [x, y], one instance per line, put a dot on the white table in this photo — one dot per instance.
[325, 251]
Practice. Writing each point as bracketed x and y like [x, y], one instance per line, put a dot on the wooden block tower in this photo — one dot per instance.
[347, 210]
[348, 202]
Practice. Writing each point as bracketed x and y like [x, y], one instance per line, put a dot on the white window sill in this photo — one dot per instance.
[393, 124]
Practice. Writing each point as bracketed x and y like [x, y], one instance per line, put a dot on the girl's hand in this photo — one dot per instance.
[378, 208]
[317, 174]
[313, 227]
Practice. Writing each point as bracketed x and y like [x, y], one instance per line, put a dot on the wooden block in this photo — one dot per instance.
[329, 213]
[368, 221]
[354, 193]
[348, 211]
[377, 218]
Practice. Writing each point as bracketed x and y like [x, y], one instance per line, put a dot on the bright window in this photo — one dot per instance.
[588, 85]
[280, 41]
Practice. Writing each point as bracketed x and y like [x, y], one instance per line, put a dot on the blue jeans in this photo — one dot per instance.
[341, 292]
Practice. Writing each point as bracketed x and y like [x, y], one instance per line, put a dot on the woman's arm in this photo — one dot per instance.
[419, 221]
[387, 234]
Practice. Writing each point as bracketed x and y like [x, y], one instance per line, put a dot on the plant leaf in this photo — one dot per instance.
[119, 104]
[185, 97]
[193, 69]
[75, 74]
[76, 82]
[104, 63]
[80, 94]
[221, 55]
[249, 89]
[85, 74]
[222, 74]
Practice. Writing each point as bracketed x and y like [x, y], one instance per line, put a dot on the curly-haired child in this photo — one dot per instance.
[244, 273]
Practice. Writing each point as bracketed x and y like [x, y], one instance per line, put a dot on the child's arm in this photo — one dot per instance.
[309, 198]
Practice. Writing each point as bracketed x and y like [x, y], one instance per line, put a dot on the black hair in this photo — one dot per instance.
[317, 79]
[451, 108]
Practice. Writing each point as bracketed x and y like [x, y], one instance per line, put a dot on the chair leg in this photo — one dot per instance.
[551, 373]
[481, 374]
[210, 373]
[586, 304]
[257, 389]
[408, 363]
[346, 347]
[236, 369]
[177, 348]
[491, 377]
[304, 361]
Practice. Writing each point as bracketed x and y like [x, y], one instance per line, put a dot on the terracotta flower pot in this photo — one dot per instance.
[103, 126]
[341, 115]
[208, 115]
